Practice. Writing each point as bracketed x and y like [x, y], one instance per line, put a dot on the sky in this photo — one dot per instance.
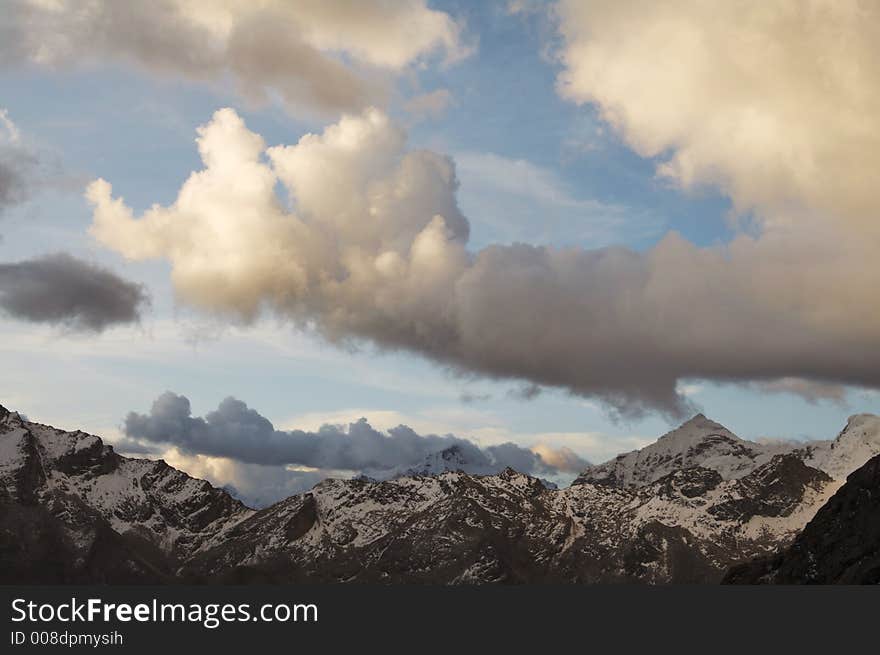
[563, 226]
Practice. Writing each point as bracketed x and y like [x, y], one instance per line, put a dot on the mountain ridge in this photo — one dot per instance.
[703, 442]
[840, 545]
[702, 511]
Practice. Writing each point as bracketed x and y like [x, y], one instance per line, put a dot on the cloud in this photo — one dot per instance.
[313, 54]
[20, 169]
[369, 245]
[57, 289]
[812, 392]
[235, 432]
[562, 459]
[772, 102]
[62, 290]
[255, 485]
[469, 397]
[525, 392]
[432, 104]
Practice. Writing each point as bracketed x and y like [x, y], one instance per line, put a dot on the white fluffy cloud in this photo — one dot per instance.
[775, 102]
[372, 247]
[315, 54]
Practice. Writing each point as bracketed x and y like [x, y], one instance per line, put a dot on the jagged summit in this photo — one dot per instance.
[699, 441]
[696, 429]
[857, 442]
[680, 510]
[702, 442]
[72, 494]
[452, 458]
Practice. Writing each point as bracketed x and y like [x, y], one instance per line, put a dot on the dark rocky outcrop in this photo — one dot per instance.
[841, 545]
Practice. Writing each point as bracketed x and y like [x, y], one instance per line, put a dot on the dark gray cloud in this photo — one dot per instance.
[525, 392]
[238, 432]
[57, 289]
[62, 290]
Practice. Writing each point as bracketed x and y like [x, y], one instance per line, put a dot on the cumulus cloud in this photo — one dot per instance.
[316, 55]
[368, 244]
[773, 102]
[62, 290]
[236, 432]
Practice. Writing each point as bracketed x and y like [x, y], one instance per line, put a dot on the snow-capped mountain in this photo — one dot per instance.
[448, 459]
[858, 442]
[707, 444]
[698, 442]
[455, 459]
[455, 528]
[683, 509]
[69, 501]
[841, 545]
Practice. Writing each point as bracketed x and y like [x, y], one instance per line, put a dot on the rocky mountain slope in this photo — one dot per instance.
[705, 443]
[681, 510]
[841, 545]
[72, 510]
[458, 528]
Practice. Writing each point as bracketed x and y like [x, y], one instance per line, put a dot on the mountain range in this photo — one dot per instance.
[700, 505]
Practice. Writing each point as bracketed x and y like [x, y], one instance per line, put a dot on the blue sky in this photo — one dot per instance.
[533, 167]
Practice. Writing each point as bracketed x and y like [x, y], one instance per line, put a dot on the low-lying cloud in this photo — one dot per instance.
[60, 289]
[313, 54]
[236, 432]
[256, 485]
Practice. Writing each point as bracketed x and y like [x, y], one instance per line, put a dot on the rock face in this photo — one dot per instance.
[681, 510]
[72, 510]
[841, 545]
[458, 528]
